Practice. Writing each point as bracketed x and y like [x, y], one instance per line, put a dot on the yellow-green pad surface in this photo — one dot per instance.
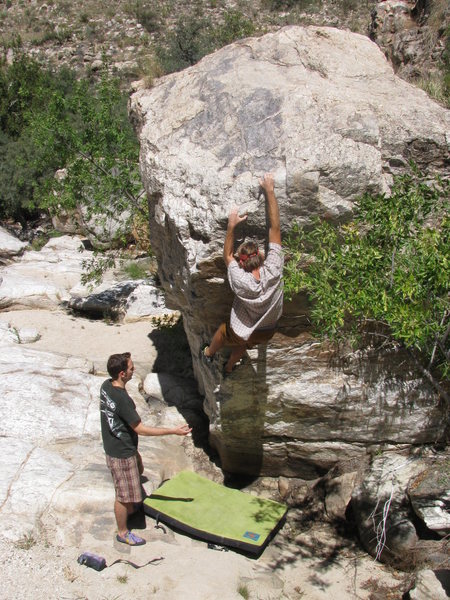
[215, 513]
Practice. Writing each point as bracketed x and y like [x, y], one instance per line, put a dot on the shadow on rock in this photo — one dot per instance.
[173, 352]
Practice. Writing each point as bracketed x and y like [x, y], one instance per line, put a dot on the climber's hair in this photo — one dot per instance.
[117, 363]
[249, 256]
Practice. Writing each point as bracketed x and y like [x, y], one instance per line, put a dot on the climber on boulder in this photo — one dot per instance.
[256, 283]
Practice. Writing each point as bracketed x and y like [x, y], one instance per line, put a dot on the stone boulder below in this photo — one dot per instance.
[43, 279]
[147, 301]
[428, 587]
[99, 229]
[10, 246]
[167, 389]
[18, 335]
[429, 494]
[50, 278]
[106, 303]
[339, 494]
[130, 301]
[384, 512]
[323, 110]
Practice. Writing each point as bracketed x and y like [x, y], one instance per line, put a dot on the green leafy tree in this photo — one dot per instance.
[91, 133]
[385, 274]
[26, 88]
[53, 122]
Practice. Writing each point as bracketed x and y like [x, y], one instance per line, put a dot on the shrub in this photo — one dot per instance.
[186, 44]
[281, 5]
[386, 272]
[51, 121]
[25, 92]
[195, 37]
[235, 26]
[147, 16]
[149, 69]
[135, 271]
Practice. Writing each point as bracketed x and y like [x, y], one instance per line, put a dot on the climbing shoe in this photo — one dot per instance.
[207, 360]
[226, 373]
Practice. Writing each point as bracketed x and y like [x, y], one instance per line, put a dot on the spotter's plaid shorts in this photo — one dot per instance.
[126, 477]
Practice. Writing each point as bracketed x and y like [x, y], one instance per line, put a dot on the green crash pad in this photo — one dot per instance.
[215, 513]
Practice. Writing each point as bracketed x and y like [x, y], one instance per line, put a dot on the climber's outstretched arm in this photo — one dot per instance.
[268, 186]
[233, 220]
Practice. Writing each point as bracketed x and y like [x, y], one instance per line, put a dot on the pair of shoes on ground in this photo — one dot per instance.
[207, 360]
[131, 539]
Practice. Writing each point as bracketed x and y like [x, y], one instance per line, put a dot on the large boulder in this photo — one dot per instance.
[43, 279]
[323, 110]
[10, 246]
[430, 496]
[427, 586]
[106, 303]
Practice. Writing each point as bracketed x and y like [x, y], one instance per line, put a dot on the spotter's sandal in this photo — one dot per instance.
[131, 539]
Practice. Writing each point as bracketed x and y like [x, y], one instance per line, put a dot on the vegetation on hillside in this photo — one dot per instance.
[196, 36]
[385, 275]
[436, 82]
[25, 92]
[146, 38]
[168, 28]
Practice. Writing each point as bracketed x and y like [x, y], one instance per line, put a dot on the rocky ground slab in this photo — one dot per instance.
[56, 495]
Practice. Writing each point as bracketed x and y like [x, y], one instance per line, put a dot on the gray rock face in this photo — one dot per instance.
[52, 460]
[429, 494]
[400, 28]
[338, 495]
[145, 302]
[110, 302]
[132, 301]
[42, 279]
[98, 229]
[322, 109]
[427, 587]
[384, 510]
[18, 336]
[382, 514]
[51, 277]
